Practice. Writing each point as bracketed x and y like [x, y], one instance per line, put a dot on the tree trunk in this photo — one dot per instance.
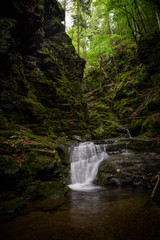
[155, 190]
[158, 19]
[135, 22]
[111, 44]
[100, 66]
[140, 16]
[78, 34]
[132, 30]
[64, 5]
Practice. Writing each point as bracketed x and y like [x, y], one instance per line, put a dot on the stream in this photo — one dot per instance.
[89, 212]
[101, 214]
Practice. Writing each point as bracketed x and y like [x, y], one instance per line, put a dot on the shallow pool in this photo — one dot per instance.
[99, 214]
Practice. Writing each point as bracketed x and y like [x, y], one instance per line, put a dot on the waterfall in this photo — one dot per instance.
[85, 159]
[129, 134]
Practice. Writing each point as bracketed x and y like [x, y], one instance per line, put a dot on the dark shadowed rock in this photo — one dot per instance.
[40, 79]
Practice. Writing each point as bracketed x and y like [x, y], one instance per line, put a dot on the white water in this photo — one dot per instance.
[85, 160]
[129, 134]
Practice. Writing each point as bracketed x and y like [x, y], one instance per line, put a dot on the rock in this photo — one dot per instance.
[116, 146]
[50, 189]
[39, 60]
[53, 8]
[12, 206]
[48, 172]
[129, 168]
[148, 51]
[31, 167]
[141, 144]
[53, 27]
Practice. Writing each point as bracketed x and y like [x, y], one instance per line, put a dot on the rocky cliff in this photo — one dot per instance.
[41, 101]
[40, 73]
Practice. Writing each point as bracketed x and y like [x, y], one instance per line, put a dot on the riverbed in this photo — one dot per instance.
[99, 214]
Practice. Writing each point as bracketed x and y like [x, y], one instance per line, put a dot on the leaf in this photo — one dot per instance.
[14, 136]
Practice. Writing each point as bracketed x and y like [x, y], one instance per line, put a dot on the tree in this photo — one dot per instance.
[80, 15]
[102, 25]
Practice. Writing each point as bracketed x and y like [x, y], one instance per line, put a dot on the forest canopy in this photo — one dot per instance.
[98, 26]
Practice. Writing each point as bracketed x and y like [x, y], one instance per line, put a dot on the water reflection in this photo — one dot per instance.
[102, 214]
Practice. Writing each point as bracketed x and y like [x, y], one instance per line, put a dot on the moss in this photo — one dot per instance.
[103, 175]
[36, 108]
[153, 102]
[124, 107]
[42, 141]
[55, 70]
[51, 189]
[135, 126]
[13, 205]
[8, 165]
[151, 125]
[6, 149]
[117, 146]
[141, 143]
[3, 119]
[37, 160]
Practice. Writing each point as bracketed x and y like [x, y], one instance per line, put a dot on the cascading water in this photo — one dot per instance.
[128, 132]
[85, 160]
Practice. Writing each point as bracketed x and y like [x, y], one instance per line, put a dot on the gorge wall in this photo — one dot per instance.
[41, 102]
[40, 73]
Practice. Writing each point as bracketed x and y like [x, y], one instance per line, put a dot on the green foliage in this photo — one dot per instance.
[41, 1]
[112, 23]
[3, 119]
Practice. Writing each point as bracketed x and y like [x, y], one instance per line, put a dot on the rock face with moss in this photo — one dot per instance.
[129, 89]
[137, 90]
[41, 101]
[31, 167]
[102, 120]
[129, 163]
[40, 79]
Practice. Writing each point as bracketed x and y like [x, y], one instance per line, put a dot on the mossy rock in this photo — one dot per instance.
[128, 169]
[135, 126]
[40, 164]
[35, 108]
[151, 125]
[142, 144]
[41, 158]
[3, 119]
[13, 205]
[49, 189]
[105, 173]
[6, 149]
[117, 146]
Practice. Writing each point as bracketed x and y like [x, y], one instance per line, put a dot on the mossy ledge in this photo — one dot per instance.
[31, 167]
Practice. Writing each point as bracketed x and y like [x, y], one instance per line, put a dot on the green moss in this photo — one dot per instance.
[8, 165]
[50, 189]
[105, 171]
[36, 108]
[151, 125]
[13, 205]
[141, 143]
[53, 189]
[37, 160]
[3, 119]
[135, 126]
